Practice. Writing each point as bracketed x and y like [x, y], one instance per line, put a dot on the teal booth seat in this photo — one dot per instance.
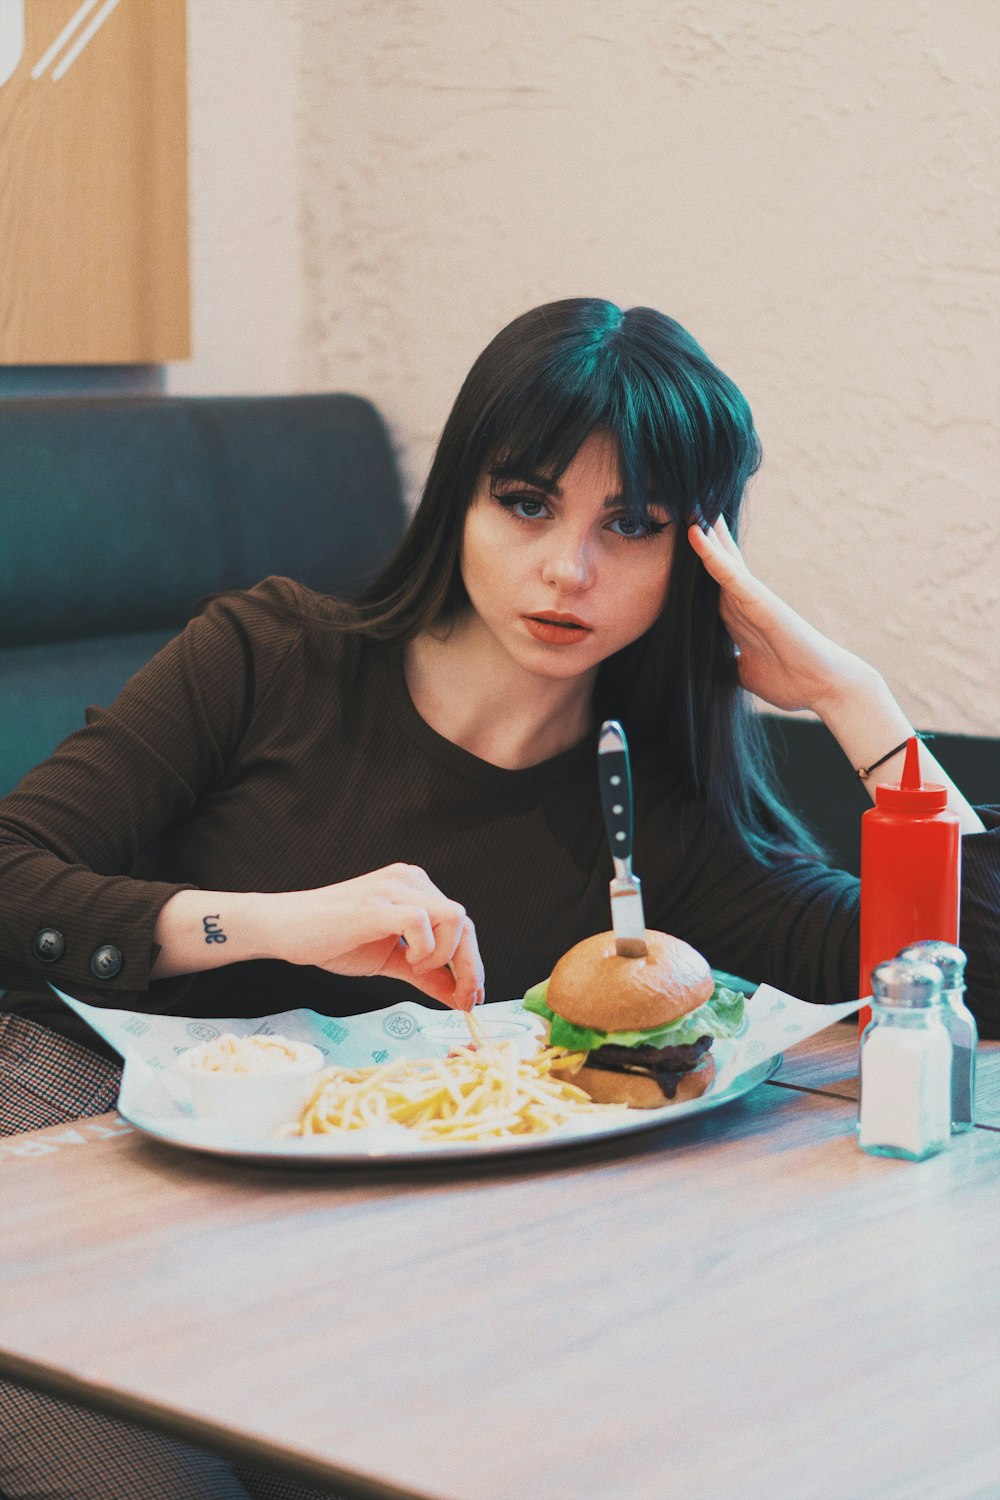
[117, 516]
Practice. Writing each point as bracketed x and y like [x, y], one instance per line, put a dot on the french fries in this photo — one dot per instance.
[481, 1092]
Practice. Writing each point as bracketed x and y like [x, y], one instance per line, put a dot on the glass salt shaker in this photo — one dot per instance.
[961, 1025]
[904, 1105]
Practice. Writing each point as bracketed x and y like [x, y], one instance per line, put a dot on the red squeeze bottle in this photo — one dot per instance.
[910, 864]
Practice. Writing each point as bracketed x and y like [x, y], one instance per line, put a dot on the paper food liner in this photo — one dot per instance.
[150, 1044]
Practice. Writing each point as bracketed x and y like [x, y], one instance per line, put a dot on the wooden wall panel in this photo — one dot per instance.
[93, 182]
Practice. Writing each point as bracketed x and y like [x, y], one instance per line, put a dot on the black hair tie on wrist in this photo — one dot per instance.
[865, 771]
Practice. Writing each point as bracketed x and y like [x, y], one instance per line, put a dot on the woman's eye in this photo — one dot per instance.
[634, 530]
[523, 507]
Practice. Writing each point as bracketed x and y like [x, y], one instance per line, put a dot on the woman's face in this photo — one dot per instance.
[557, 573]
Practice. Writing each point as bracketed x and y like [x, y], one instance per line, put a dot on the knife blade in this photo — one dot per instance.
[615, 778]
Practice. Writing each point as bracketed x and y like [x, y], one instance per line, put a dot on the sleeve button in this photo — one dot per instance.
[48, 945]
[106, 961]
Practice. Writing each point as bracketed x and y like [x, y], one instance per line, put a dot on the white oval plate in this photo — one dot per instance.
[395, 1144]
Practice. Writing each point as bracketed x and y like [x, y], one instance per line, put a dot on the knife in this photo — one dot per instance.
[615, 778]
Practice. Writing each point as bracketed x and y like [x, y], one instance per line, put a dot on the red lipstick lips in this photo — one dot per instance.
[557, 629]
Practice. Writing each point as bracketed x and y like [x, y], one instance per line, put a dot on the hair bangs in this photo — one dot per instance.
[691, 424]
[683, 431]
[542, 427]
[539, 428]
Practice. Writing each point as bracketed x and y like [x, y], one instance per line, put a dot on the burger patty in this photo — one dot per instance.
[666, 1064]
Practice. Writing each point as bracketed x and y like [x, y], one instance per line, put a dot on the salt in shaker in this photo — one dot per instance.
[961, 1025]
[904, 1107]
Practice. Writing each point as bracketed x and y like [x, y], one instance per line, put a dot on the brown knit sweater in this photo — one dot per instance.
[253, 754]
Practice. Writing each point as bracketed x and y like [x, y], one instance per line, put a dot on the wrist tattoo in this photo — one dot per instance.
[213, 932]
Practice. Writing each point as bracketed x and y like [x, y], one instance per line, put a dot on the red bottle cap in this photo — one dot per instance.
[911, 794]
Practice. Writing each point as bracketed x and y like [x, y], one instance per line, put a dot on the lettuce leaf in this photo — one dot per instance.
[721, 1015]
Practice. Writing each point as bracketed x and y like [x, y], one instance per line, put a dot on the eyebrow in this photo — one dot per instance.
[519, 476]
[549, 486]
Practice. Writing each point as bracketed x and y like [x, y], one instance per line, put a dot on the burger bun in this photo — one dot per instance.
[594, 986]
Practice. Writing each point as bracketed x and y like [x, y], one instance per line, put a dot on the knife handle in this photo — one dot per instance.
[616, 800]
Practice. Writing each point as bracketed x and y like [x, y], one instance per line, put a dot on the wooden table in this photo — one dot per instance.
[740, 1305]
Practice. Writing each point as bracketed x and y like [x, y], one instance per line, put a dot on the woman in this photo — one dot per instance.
[306, 802]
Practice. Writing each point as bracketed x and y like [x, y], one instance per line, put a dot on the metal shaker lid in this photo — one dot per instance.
[945, 956]
[907, 984]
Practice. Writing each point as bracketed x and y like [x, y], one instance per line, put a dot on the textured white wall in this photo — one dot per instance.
[244, 129]
[809, 187]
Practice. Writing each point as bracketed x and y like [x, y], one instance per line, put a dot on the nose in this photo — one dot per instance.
[568, 565]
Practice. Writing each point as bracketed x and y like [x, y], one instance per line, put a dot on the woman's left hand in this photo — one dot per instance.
[782, 658]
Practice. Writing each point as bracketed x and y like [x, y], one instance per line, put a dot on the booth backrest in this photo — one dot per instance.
[818, 783]
[117, 516]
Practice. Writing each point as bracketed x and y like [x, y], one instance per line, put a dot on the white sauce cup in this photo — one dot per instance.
[254, 1102]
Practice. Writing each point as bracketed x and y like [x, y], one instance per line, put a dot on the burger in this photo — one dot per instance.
[636, 1031]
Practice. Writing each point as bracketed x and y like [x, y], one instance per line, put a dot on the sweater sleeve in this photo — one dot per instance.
[75, 825]
[795, 923]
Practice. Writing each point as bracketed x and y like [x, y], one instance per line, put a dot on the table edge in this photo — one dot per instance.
[200, 1432]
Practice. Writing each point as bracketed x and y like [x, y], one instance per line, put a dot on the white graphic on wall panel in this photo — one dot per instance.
[12, 38]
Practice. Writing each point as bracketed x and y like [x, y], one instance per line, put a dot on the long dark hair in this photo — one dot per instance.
[686, 441]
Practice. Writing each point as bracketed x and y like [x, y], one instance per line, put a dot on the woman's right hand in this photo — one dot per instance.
[393, 921]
